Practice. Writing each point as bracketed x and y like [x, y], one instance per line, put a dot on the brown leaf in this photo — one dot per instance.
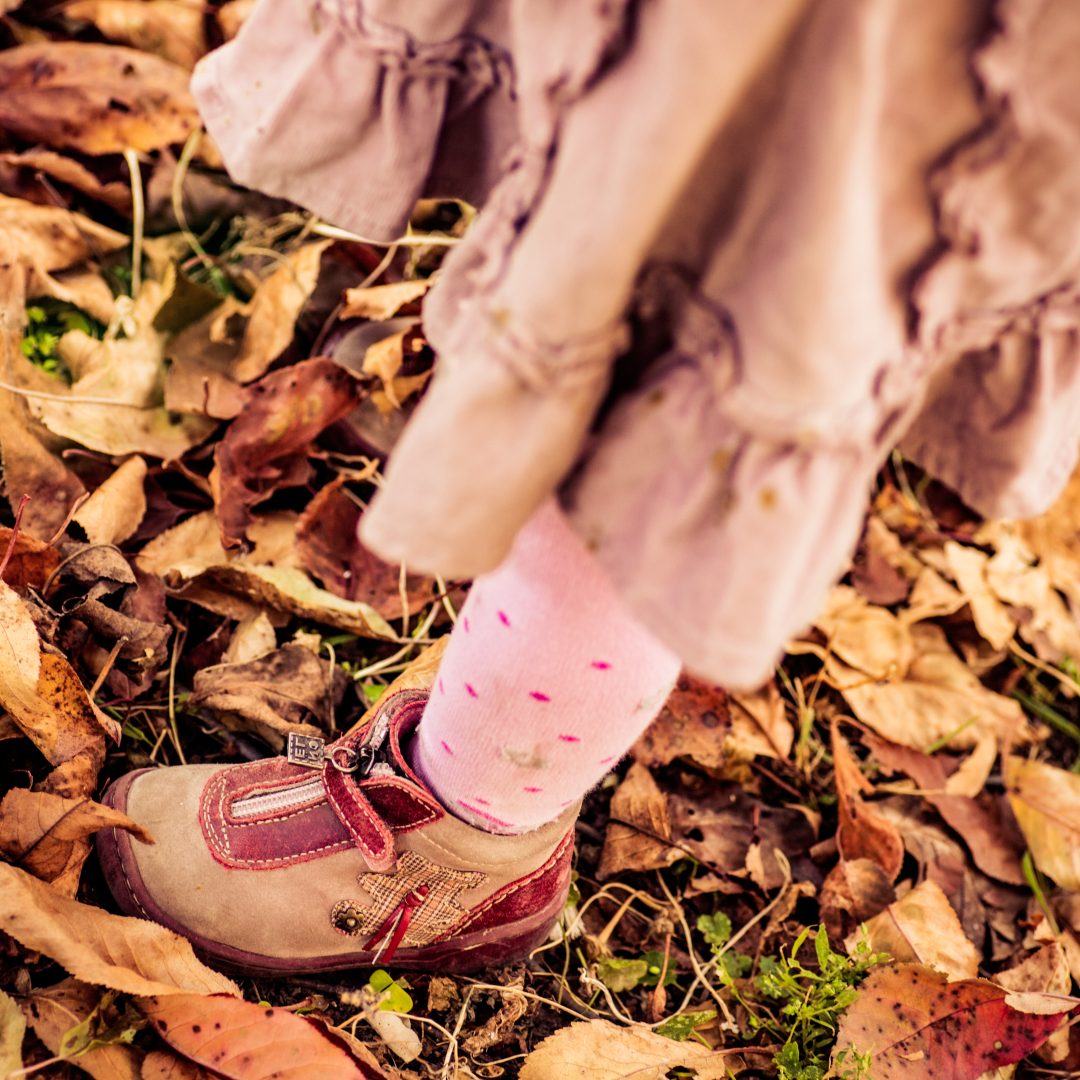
[31, 561]
[861, 834]
[47, 835]
[759, 724]
[967, 565]
[115, 509]
[868, 638]
[915, 1024]
[266, 446]
[285, 690]
[131, 955]
[691, 724]
[639, 844]
[883, 571]
[245, 1041]
[1045, 971]
[600, 1050]
[171, 29]
[1046, 802]
[54, 1011]
[328, 548]
[97, 99]
[160, 1065]
[382, 301]
[115, 195]
[940, 697]
[40, 690]
[50, 238]
[982, 823]
[921, 927]
[854, 890]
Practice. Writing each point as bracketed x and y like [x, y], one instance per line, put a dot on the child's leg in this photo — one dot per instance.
[545, 684]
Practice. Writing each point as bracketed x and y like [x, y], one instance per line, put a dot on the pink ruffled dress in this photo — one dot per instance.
[729, 255]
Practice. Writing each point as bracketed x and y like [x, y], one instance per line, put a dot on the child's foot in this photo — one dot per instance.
[275, 867]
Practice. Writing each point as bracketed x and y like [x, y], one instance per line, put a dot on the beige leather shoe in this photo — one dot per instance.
[332, 857]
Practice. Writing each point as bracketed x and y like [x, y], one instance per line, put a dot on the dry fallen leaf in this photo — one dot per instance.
[252, 637]
[131, 955]
[55, 1010]
[40, 690]
[382, 301]
[47, 835]
[854, 891]
[921, 927]
[1046, 971]
[1046, 802]
[249, 1042]
[692, 724]
[114, 511]
[599, 1050]
[868, 638]
[941, 698]
[69, 171]
[968, 567]
[639, 844]
[861, 834]
[30, 561]
[50, 238]
[915, 1024]
[12, 1029]
[97, 99]
[171, 29]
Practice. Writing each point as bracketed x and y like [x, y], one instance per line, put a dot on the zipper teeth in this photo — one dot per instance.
[254, 805]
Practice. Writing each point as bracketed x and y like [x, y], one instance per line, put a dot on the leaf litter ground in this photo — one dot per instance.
[868, 866]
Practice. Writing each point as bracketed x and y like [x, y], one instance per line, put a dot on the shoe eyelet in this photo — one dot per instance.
[347, 917]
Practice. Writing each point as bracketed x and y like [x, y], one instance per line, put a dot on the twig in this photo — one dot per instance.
[138, 219]
[14, 535]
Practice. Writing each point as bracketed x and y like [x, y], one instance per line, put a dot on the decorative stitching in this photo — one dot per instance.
[372, 820]
[509, 890]
[123, 869]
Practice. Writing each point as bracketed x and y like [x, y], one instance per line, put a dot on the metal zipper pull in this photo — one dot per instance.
[308, 750]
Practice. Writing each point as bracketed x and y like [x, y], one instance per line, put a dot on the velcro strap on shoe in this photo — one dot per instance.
[371, 833]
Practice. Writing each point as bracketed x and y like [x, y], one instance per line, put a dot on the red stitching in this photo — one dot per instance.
[361, 843]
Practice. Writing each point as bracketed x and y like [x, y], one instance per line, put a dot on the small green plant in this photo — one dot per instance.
[47, 321]
[395, 998]
[807, 1005]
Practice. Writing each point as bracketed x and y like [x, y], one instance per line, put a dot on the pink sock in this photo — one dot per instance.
[545, 684]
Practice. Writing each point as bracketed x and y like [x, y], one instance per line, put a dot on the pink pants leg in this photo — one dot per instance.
[545, 684]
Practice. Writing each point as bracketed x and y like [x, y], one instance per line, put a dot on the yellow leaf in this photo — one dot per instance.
[1046, 802]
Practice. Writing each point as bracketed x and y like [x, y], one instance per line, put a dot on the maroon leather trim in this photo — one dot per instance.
[369, 831]
[534, 892]
[310, 831]
[402, 805]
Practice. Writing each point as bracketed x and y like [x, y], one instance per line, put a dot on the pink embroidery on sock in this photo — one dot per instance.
[568, 802]
[601, 665]
[569, 738]
[471, 690]
[465, 623]
[538, 696]
[609, 760]
[446, 746]
[533, 790]
[482, 802]
[504, 619]
[442, 687]
[487, 817]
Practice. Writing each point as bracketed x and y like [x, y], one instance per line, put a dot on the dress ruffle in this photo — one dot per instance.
[847, 219]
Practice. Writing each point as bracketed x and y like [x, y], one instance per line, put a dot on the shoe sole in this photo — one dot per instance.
[468, 952]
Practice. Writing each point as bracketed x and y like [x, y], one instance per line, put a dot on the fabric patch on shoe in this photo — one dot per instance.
[440, 909]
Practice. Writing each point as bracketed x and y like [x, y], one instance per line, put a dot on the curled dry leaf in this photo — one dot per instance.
[97, 99]
[50, 238]
[30, 561]
[115, 510]
[68, 171]
[283, 691]
[54, 1011]
[638, 828]
[940, 698]
[861, 834]
[759, 724]
[968, 567]
[854, 890]
[1054, 538]
[253, 637]
[916, 1024]
[599, 1050]
[131, 955]
[266, 447]
[868, 638]
[921, 927]
[382, 301]
[245, 1041]
[1046, 802]
[40, 690]
[47, 835]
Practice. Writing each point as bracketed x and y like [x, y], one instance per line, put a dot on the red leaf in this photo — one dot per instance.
[916, 1024]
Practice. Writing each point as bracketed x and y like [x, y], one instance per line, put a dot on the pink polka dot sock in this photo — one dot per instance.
[545, 684]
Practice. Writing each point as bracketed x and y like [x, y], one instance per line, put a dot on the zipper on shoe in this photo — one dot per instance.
[275, 801]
